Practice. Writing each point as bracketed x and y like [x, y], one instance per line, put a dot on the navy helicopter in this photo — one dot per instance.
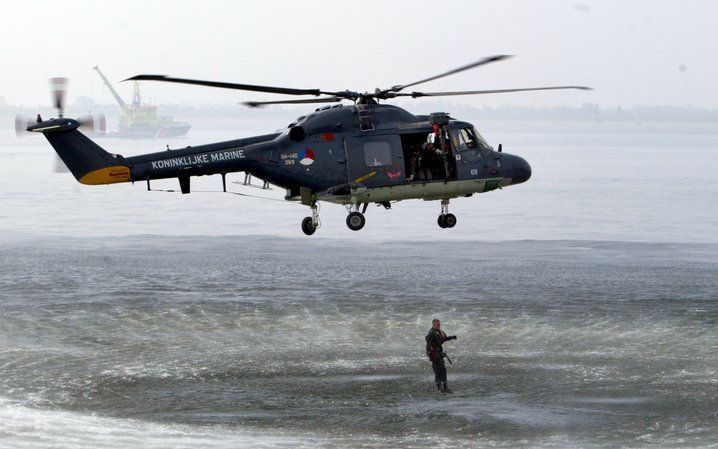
[352, 155]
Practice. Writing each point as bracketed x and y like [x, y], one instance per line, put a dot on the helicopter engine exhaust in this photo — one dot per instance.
[297, 134]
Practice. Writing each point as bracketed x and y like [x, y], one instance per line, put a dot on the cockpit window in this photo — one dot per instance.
[468, 139]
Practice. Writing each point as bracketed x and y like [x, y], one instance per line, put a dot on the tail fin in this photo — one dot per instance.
[87, 161]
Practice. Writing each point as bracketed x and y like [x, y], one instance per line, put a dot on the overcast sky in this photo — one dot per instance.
[631, 51]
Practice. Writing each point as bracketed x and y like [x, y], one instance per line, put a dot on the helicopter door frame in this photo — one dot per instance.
[413, 141]
[344, 161]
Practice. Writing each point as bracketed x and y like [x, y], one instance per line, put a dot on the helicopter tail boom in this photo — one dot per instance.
[86, 160]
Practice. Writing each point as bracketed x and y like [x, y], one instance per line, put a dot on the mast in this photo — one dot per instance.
[112, 90]
[136, 98]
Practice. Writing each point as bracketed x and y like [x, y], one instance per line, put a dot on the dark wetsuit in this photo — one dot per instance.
[434, 341]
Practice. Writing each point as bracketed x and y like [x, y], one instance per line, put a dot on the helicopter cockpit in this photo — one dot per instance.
[467, 138]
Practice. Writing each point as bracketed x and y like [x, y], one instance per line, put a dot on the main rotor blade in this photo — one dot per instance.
[478, 63]
[482, 92]
[258, 104]
[249, 87]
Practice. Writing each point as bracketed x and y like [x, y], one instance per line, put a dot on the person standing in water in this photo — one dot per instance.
[434, 349]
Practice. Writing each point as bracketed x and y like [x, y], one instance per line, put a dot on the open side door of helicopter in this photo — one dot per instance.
[422, 163]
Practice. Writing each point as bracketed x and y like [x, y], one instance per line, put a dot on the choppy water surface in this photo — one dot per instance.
[585, 304]
[279, 342]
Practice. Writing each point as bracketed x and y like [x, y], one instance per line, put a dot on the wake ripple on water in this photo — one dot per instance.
[32, 427]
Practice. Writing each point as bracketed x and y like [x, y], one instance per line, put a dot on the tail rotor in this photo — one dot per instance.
[21, 123]
[58, 87]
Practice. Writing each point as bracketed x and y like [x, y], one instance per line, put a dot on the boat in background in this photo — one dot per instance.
[140, 121]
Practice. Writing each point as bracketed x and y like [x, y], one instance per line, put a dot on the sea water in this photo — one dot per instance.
[584, 301]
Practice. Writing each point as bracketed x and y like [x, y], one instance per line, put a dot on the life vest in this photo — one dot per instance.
[435, 340]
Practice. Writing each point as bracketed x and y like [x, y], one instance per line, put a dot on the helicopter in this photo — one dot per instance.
[352, 155]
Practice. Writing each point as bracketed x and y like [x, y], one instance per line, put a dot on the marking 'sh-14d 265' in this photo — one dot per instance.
[352, 155]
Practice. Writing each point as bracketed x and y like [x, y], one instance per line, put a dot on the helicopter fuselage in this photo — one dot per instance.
[348, 155]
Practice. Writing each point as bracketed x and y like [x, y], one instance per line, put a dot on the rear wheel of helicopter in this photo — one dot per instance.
[308, 226]
[356, 221]
[450, 220]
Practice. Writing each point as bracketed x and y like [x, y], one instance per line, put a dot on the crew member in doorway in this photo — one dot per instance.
[417, 166]
[425, 158]
[429, 159]
[441, 148]
[434, 349]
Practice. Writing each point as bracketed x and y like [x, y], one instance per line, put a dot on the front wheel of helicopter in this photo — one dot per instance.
[308, 226]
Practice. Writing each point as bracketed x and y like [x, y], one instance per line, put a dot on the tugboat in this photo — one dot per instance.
[140, 121]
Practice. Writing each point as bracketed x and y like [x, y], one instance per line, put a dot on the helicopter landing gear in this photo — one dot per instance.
[446, 220]
[355, 219]
[310, 224]
[307, 226]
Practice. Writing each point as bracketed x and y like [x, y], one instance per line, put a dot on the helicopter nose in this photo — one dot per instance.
[521, 170]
